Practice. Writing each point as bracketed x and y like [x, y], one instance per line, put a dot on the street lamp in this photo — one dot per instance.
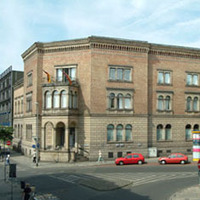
[36, 139]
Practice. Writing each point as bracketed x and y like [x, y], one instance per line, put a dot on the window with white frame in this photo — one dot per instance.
[119, 133]
[192, 79]
[192, 103]
[69, 70]
[56, 99]
[164, 102]
[188, 132]
[48, 100]
[164, 133]
[164, 77]
[63, 97]
[120, 73]
[110, 132]
[118, 100]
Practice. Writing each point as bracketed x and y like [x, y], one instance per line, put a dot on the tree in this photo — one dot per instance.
[6, 133]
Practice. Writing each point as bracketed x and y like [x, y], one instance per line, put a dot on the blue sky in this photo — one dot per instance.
[23, 22]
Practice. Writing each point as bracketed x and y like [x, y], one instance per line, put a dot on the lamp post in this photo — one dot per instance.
[37, 140]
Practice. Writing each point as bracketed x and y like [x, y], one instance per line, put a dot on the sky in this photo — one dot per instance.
[24, 22]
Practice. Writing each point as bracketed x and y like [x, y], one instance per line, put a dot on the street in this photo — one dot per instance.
[105, 181]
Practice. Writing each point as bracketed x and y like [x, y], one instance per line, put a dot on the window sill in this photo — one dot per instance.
[120, 81]
[191, 111]
[189, 140]
[165, 111]
[164, 84]
[119, 142]
[164, 141]
[192, 86]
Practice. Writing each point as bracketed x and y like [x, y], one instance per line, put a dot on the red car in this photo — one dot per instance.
[174, 158]
[131, 158]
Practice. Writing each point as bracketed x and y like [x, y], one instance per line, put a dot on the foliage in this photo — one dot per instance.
[6, 133]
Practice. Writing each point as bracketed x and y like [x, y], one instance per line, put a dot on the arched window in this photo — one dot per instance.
[160, 132]
[110, 132]
[63, 97]
[188, 105]
[120, 101]
[70, 99]
[128, 133]
[168, 134]
[195, 104]
[111, 100]
[55, 99]
[188, 132]
[160, 102]
[18, 107]
[119, 132]
[167, 103]
[75, 100]
[48, 99]
[196, 127]
[128, 101]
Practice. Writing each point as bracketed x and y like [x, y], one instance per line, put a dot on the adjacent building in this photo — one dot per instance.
[123, 96]
[7, 79]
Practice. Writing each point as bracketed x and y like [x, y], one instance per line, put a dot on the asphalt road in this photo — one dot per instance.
[139, 182]
[150, 181]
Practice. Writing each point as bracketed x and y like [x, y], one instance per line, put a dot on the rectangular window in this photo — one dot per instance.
[112, 74]
[29, 103]
[192, 79]
[110, 154]
[29, 132]
[120, 73]
[29, 79]
[70, 71]
[164, 77]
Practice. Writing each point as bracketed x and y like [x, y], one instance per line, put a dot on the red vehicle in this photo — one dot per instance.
[174, 158]
[131, 158]
[198, 164]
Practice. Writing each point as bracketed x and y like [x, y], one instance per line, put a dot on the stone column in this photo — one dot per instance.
[43, 137]
[54, 138]
[66, 145]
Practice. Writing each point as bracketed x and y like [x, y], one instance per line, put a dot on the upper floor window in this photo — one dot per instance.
[118, 73]
[70, 71]
[48, 100]
[192, 79]
[192, 103]
[29, 79]
[120, 101]
[164, 133]
[164, 77]
[164, 103]
[29, 103]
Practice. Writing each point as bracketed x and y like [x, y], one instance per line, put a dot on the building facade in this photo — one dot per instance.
[124, 96]
[7, 80]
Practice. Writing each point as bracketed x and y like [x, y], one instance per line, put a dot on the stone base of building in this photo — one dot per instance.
[57, 156]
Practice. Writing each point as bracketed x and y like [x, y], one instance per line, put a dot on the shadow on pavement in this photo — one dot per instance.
[66, 186]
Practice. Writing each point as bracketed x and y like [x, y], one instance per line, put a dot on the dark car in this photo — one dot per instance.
[132, 158]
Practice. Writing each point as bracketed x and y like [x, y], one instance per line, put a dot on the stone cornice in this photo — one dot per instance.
[113, 44]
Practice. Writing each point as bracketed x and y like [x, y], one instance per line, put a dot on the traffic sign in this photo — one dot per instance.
[33, 146]
[8, 142]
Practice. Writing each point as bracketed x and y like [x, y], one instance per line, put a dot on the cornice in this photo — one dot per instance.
[114, 44]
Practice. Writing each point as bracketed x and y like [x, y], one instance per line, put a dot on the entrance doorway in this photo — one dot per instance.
[60, 134]
[72, 137]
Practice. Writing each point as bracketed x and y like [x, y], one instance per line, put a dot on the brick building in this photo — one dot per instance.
[125, 96]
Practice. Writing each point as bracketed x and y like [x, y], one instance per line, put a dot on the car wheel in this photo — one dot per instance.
[182, 162]
[121, 163]
[163, 162]
[139, 162]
